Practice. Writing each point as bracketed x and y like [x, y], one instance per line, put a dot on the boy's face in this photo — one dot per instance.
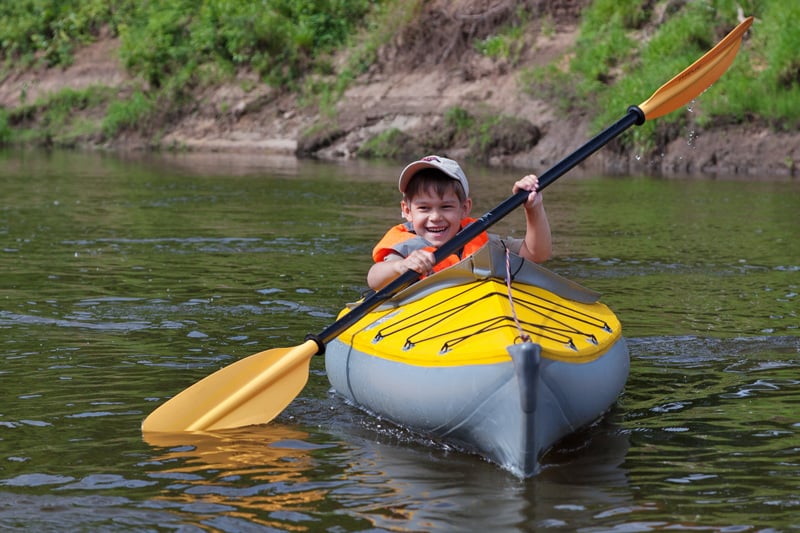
[436, 219]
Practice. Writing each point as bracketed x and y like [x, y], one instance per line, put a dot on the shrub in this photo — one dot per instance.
[125, 114]
[280, 39]
[52, 29]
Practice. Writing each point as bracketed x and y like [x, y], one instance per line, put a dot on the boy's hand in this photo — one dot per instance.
[421, 261]
[529, 183]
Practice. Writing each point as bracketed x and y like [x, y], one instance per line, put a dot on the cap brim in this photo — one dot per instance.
[413, 168]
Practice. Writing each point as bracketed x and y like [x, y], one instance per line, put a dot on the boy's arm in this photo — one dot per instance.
[382, 273]
[393, 265]
[537, 246]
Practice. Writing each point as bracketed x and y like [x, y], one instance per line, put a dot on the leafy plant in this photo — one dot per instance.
[126, 114]
[50, 30]
[279, 39]
[507, 43]
[458, 119]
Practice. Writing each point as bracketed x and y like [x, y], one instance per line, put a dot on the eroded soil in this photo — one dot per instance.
[428, 68]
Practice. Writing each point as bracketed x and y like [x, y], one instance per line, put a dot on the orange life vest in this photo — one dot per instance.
[402, 240]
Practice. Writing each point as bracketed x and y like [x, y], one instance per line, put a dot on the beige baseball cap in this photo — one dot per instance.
[448, 166]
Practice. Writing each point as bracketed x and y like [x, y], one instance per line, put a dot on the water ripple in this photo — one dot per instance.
[8, 318]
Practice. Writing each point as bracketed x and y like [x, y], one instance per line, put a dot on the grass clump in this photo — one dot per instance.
[487, 134]
[390, 144]
[54, 120]
[483, 135]
[507, 44]
[620, 60]
[127, 114]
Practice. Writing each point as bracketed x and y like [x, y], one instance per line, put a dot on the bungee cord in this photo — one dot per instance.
[560, 323]
[523, 335]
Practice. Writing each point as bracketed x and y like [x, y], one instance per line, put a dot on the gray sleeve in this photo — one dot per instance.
[512, 243]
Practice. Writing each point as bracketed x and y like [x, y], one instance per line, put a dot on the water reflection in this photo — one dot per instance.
[248, 473]
[381, 475]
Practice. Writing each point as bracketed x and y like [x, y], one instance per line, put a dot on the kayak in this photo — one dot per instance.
[497, 368]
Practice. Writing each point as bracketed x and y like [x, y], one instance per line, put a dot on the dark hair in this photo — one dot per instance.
[432, 178]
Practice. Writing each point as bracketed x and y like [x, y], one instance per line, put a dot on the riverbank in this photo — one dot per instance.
[420, 74]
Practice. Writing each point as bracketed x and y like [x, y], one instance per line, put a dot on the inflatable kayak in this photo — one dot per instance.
[504, 370]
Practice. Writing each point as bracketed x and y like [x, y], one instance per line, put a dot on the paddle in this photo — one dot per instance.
[256, 389]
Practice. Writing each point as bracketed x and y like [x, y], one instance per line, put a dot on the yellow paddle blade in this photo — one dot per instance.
[696, 78]
[251, 391]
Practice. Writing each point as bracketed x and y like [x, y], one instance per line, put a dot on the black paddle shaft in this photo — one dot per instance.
[635, 116]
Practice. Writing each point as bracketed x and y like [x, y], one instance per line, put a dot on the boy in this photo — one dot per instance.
[436, 205]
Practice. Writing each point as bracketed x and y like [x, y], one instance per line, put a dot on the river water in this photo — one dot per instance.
[125, 279]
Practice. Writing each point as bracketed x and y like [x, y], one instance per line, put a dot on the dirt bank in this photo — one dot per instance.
[428, 68]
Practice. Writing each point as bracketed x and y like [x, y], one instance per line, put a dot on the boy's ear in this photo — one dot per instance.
[405, 210]
[467, 206]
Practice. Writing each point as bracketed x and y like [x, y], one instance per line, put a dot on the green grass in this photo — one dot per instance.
[616, 65]
[53, 119]
[389, 144]
[765, 81]
[508, 42]
[127, 114]
[167, 40]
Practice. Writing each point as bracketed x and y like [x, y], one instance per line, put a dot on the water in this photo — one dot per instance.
[127, 279]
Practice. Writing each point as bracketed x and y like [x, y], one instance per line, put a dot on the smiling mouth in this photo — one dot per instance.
[438, 229]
